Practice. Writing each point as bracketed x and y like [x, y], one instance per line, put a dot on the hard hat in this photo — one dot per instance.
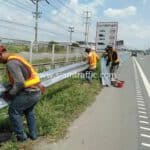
[2, 49]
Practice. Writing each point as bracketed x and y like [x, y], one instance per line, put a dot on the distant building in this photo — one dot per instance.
[106, 34]
[120, 44]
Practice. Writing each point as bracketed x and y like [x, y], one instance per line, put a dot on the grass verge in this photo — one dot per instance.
[62, 103]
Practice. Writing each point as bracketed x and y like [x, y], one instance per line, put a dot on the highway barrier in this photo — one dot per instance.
[51, 77]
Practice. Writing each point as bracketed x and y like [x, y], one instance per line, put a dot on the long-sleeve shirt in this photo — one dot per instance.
[19, 74]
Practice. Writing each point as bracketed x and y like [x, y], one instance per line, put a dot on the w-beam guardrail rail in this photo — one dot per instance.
[51, 77]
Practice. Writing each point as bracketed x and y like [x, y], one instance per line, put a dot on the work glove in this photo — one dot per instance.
[42, 88]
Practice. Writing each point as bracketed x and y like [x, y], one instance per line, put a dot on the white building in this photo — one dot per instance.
[106, 34]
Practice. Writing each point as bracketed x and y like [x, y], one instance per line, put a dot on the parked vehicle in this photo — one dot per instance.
[134, 53]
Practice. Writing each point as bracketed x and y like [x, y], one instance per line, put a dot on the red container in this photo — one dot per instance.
[119, 84]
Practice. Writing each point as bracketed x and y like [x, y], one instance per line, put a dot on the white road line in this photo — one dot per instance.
[142, 108]
[143, 76]
[142, 112]
[145, 144]
[141, 105]
[145, 135]
[145, 117]
[144, 122]
[138, 91]
[143, 128]
[140, 102]
[140, 99]
[139, 96]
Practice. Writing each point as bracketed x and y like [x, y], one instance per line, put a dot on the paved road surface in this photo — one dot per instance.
[118, 120]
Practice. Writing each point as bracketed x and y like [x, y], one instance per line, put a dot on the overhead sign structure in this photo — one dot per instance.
[106, 34]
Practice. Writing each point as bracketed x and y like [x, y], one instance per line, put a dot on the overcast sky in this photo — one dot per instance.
[132, 16]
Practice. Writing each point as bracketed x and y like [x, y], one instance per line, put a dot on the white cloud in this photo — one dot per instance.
[134, 35]
[64, 16]
[125, 12]
[74, 17]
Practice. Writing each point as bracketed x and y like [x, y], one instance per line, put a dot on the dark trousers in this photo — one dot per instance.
[88, 74]
[21, 104]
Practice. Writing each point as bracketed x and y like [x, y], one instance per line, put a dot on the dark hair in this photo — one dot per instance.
[2, 49]
[87, 49]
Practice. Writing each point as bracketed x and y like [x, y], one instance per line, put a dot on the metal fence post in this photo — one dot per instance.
[67, 53]
[31, 49]
[53, 54]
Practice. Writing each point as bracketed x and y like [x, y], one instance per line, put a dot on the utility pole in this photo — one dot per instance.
[71, 30]
[87, 17]
[37, 16]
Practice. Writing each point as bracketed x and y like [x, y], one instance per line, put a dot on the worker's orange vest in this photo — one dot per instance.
[92, 60]
[33, 79]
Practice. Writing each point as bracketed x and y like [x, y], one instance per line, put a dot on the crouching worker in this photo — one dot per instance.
[92, 59]
[23, 93]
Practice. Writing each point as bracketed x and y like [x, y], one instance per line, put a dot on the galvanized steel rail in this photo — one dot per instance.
[51, 77]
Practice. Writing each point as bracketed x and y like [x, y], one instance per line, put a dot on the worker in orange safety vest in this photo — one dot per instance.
[23, 93]
[91, 59]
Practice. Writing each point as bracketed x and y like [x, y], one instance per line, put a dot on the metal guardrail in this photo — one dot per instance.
[51, 77]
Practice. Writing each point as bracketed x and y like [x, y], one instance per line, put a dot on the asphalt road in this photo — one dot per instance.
[119, 118]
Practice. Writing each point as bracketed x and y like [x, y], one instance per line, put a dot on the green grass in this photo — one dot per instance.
[61, 104]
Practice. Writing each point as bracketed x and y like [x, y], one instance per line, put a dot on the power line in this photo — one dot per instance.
[29, 26]
[70, 9]
[18, 6]
[23, 8]
[15, 23]
[6, 3]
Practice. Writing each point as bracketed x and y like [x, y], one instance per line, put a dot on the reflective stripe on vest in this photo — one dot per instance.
[34, 77]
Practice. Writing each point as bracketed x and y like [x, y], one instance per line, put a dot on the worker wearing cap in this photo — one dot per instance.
[114, 59]
[114, 63]
[92, 59]
[23, 93]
